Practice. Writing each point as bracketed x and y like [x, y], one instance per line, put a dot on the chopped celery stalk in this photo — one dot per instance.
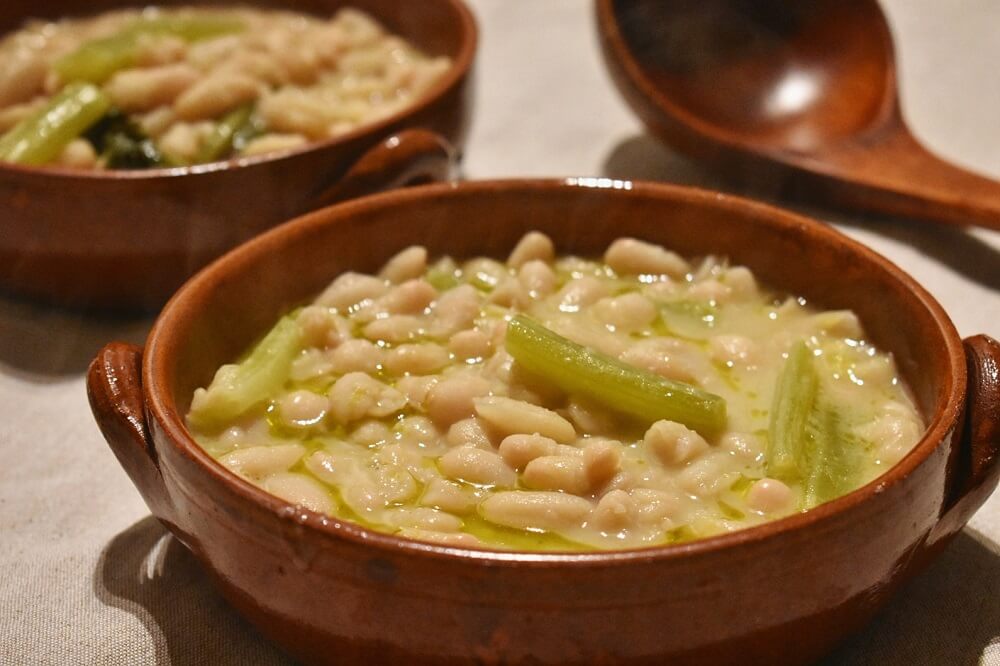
[237, 388]
[40, 138]
[95, 61]
[227, 134]
[579, 370]
[794, 400]
[834, 460]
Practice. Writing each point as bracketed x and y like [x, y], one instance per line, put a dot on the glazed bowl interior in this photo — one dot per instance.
[440, 28]
[224, 309]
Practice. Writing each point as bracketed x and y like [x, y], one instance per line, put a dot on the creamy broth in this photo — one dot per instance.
[395, 400]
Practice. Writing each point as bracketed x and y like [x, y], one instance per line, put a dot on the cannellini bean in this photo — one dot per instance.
[148, 88]
[452, 399]
[302, 408]
[769, 496]
[673, 443]
[420, 432]
[154, 123]
[602, 460]
[257, 66]
[515, 416]
[215, 94]
[22, 74]
[668, 358]
[589, 418]
[407, 264]
[350, 289]
[445, 538]
[182, 141]
[470, 344]
[455, 310]
[300, 490]
[628, 312]
[410, 297]
[707, 476]
[152, 50]
[537, 278]
[837, 323]
[742, 445]
[370, 433]
[272, 142]
[894, 431]
[712, 291]
[356, 395]
[615, 511]
[322, 327]
[78, 154]
[394, 329]
[629, 256]
[581, 292]
[519, 450]
[533, 246]
[475, 465]
[415, 388]
[451, 496]
[469, 432]
[256, 462]
[741, 281]
[356, 356]
[510, 293]
[565, 473]
[395, 484]
[734, 349]
[423, 518]
[653, 506]
[543, 510]
[417, 359]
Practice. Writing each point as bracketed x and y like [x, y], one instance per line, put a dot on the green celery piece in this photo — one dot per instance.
[226, 133]
[834, 460]
[237, 388]
[97, 60]
[40, 138]
[579, 370]
[794, 400]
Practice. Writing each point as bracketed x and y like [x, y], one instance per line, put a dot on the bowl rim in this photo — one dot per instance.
[163, 339]
[459, 69]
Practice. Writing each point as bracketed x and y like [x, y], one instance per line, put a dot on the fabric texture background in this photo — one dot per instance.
[88, 577]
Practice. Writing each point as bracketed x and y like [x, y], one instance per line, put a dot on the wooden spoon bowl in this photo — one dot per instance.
[800, 93]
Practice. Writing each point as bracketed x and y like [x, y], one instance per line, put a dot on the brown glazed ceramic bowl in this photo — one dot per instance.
[128, 239]
[330, 591]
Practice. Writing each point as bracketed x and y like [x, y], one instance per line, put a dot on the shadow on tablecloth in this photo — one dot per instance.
[643, 157]
[41, 343]
[147, 572]
[948, 615]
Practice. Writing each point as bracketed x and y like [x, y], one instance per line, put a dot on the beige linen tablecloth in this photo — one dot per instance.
[88, 577]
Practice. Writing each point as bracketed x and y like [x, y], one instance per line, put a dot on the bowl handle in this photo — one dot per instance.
[974, 469]
[410, 157]
[114, 387]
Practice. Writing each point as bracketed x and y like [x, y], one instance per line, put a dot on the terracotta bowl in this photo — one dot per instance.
[128, 239]
[331, 591]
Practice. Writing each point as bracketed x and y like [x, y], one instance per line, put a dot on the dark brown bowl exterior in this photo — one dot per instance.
[127, 240]
[329, 591]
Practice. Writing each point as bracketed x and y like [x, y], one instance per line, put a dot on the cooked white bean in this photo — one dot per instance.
[629, 256]
[732, 349]
[212, 96]
[581, 292]
[455, 310]
[533, 246]
[300, 490]
[616, 510]
[394, 329]
[259, 461]
[445, 538]
[537, 278]
[519, 450]
[302, 407]
[423, 518]
[470, 345]
[322, 327]
[395, 484]
[514, 416]
[452, 399]
[475, 465]
[148, 88]
[416, 359]
[410, 297]
[356, 356]
[470, 432]
[407, 264]
[78, 154]
[565, 473]
[349, 289]
[628, 312]
[538, 510]
[272, 142]
[673, 443]
[370, 433]
[769, 496]
[416, 388]
[602, 460]
[451, 496]
[357, 395]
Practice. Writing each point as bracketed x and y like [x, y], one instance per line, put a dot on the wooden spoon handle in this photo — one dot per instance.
[892, 172]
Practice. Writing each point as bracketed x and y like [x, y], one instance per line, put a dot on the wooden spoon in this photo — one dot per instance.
[802, 93]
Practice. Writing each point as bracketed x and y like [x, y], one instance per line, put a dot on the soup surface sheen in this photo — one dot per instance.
[457, 402]
[170, 87]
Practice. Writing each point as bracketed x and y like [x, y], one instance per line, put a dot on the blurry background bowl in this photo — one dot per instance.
[128, 239]
[327, 590]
